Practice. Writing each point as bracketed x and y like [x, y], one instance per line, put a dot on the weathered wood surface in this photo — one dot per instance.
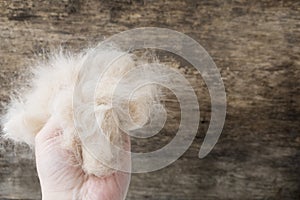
[255, 44]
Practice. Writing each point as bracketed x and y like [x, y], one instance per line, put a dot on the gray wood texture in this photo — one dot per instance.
[255, 45]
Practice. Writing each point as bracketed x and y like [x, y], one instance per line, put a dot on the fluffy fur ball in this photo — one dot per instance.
[94, 73]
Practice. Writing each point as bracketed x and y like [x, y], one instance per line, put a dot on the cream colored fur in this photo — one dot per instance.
[52, 95]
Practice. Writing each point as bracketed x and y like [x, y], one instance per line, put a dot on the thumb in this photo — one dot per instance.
[50, 130]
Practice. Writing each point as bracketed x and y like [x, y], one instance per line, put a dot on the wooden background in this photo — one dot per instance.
[255, 45]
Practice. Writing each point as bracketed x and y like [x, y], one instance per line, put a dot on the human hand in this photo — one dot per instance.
[62, 178]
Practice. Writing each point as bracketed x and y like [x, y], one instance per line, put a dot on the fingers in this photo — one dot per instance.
[123, 182]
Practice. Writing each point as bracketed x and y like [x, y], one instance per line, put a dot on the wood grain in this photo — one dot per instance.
[255, 45]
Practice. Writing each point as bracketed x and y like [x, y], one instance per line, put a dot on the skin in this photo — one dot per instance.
[62, 178]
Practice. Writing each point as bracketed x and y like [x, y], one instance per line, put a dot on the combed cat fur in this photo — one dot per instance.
[96, 73]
